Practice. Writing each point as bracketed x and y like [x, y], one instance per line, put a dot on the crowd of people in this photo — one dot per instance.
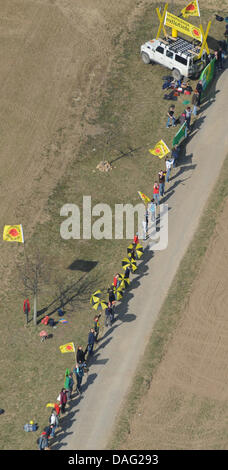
[171, 162]
[74, 377]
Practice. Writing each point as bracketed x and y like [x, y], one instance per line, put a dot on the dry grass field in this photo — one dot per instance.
[71, 82]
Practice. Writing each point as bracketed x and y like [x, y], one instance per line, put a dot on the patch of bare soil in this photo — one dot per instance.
[186, 405]
[54, 60]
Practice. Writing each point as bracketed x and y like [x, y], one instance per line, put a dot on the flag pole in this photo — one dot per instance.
[75, 354]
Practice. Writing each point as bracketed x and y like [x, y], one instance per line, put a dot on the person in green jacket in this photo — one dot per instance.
[67, 383]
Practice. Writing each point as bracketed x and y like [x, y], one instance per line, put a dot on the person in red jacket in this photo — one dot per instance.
[136, 239]
[57, 408]
[156, 193]
[63, 400]
[116, 280]
[26, 309]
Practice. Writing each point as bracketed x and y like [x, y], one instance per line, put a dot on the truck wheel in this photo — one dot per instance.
[145, 58]
[176, 74]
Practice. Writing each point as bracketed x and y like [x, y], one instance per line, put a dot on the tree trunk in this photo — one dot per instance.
[35, 310]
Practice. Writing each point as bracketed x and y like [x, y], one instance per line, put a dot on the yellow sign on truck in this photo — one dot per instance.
[183, 26]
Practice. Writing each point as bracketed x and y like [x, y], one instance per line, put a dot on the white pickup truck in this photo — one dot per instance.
[176, 54]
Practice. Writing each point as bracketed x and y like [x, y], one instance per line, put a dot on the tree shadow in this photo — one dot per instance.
[82, 265]
[128, 153]
[69, 296]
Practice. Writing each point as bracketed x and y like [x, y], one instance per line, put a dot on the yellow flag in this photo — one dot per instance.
[145, 198]
[13, 233]
[192, 9]
[66, 348]
[160, 149]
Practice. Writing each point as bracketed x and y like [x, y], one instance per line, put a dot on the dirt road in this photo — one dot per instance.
[122, 346]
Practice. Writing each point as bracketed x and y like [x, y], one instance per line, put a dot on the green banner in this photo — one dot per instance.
[208, 73]
[181, 134]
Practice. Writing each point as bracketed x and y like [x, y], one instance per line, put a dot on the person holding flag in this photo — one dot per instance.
[156, 193]
[171, 117]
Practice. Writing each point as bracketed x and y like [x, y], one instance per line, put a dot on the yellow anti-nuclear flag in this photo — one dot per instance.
[145, 198]
[66, 348]
[192, 9]
[160, 149]
[13, 233]
[175, 22]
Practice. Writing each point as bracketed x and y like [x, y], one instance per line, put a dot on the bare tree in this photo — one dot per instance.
[32, 274]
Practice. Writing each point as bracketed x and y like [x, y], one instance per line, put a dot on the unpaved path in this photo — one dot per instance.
[92, 418]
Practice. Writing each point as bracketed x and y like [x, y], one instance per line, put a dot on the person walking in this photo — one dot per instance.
[188, 113]
[26, 309]
[67, 383]
[144, 229]
[156, 193]
[108, 315]
[57, 409]
[199, 88]
[168, 165]
[136, 239]
[171, 117]
[152, 210]
[161, 179]
[79, 373]
[195, 99]
[116, 280]
[127, 272]
[71, 384]
[48, 430]
[175, 154]
[42, 442]
[219, 58]
[63, 400]
[111, 296]
[81, 356]
[91, 341]
[96, 326]
[132, 253]
[146, 219]
[54, 422]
